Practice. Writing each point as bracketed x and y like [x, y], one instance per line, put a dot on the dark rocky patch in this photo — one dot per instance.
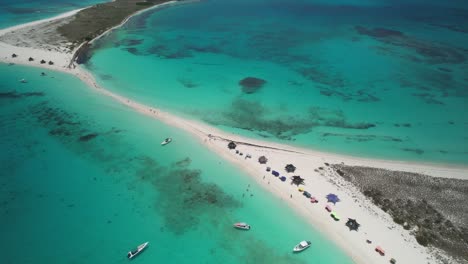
[428, 98]
[378, 32]
[204, 49]
[444, 69]
[184, 197]
[169, 52]
[452, 27]
[326, 78]
[402, 125]
[133, 51]
[251, 84]
[248, 115]
[106, 76]
[129, 42]
[414, 150]
[187, 83]
[88, 137]
[434, 53]
[16, 95]
[429, 206]
[363, 138]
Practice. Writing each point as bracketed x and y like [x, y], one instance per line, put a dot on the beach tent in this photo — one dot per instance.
[297, 180]
[392, 260]
[232, 145]
[275, 173]
[307, 194]
[290, 168]
[332, 198]
[328, 208]
[352, 224]
[335, 216]
[300, 189]
[262, 160]
[268, 169]
[313, 199]
[380, 251]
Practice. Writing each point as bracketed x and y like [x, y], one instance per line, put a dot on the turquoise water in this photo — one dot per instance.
[84, 179]
[13, 12]
[382, 79]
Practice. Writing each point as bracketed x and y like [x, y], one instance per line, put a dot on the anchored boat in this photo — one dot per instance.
[302, 246]
[137, 251]
[242, 225]
[166, 141]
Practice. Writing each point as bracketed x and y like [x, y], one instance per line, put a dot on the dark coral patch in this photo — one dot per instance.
[378, 32]
[251, 84]
[14, 94]
[432, 52]
[88, 137]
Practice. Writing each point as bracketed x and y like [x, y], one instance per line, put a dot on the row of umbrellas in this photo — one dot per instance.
[352, 224]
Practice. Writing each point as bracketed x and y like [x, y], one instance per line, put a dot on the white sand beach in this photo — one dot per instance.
[376, 225]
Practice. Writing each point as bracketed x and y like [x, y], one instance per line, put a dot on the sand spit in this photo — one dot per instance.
[320, 178]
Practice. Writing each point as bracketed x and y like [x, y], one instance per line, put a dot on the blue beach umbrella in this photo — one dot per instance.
[332, 198]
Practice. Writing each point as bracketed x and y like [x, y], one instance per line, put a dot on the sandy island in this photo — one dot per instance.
[321, 179]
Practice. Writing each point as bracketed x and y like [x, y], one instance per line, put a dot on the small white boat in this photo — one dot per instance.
[23, 81]
[137, 251]
[302, 246]
[166, 141]
[242, 225]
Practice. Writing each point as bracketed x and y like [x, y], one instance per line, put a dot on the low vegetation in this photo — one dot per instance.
[432, 208]
[91, 22]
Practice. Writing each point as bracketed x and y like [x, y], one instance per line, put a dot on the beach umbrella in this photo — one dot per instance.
[352, 224]
[290, 168]
[43, 61]
[262, 160]
[31, 59]
[14, 55]
[297, 180]
[232, 145]
[332, 198]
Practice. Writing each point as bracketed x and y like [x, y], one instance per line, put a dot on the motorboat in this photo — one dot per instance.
[242, 225]
[137, 251]
[166, 141]
[302, 246]
[23, 81]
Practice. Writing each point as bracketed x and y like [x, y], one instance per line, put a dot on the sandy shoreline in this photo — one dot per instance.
[376, 225]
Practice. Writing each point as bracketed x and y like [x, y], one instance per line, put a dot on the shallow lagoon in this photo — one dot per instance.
[374, 80]
[87, 177]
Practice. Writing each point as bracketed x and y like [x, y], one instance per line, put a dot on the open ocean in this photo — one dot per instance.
[385, 79]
